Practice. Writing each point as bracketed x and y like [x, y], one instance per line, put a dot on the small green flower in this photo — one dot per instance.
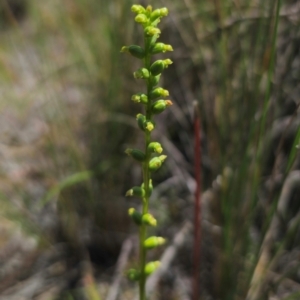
[154, 80]
[151, 267]
[138, 9]
[148, 219]
[134, 50]
[149, 8]
[161, 48]
[158, 66]
[141, 73]
[141, 120]
[140, 98]
[149, 126]
[159, 13]
[150, 187]
[158, 92]
[151, 31]
[154, 241]
[155, 147]
[136, 191]
[160, 105]
[135, 216]
[141, 18]
[138, 155]
[156, 162]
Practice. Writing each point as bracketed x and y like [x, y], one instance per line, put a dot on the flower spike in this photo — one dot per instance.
[150, 158]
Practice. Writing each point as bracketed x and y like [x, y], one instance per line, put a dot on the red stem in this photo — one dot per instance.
[197, 211]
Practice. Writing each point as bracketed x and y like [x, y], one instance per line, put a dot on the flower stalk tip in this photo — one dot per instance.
[138, 9]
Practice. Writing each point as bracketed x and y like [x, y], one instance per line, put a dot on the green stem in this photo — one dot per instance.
[146, 179]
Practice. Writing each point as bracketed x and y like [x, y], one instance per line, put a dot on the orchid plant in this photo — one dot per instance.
[151, 157]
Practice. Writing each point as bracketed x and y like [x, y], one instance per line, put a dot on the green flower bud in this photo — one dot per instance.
[151, 267]
[136, 154]
[149, 8]
[167, 62]
[153, 242]
[140, 98]
[150, 187]
[160, 105]
[138, 9]
[160, 48]
[158, 66]
[141, 73]
[159, 13]
[158, 92]
[154, 79]
[155, 147]
[164, 12]
[148, 219]
[136, 191]
[134, 50]
[141, 120]
[133, 275]
[156, 162]
[135, 216]
[151, 31]
[141, 18]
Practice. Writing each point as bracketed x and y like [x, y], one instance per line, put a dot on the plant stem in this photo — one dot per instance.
[146, 179]
[143, 227]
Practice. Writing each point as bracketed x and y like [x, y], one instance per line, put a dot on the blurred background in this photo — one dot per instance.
[66, 118]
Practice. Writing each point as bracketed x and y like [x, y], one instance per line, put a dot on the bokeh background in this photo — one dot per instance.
[66, 118]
